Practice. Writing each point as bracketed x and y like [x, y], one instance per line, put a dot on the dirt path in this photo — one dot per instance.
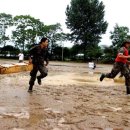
[70, 98]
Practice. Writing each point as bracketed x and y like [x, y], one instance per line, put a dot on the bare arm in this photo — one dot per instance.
[47, 58]
[30, 60]
[47, 62]
[120, 55]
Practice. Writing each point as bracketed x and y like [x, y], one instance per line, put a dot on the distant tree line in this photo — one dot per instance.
[84, 18]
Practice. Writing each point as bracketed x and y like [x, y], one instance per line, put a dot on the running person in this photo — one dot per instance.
[38, 55]
[120, 65]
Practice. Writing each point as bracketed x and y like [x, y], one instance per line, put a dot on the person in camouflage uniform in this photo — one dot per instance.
[37, 56]
[121, 75]
[121, 65]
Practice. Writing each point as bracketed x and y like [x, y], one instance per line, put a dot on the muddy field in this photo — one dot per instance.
[71, 97]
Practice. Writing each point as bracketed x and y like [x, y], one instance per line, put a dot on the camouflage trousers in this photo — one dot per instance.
[120, 67]
[43, 73]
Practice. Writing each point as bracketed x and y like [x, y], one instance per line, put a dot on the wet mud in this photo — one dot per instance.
[71, 97]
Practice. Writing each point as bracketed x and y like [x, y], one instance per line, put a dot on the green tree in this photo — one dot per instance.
[55, 34]
[57, 50]
[118, 36]
[85, 19]
[27, 30]
[93, 53]
[74, 50]
[5, 22]
[9, 50]
[57, 53]
[108, 55]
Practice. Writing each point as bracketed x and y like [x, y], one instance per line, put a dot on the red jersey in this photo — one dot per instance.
[125, 52]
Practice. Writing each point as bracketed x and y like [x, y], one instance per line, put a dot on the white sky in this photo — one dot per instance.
[116, 11]
[53, 11]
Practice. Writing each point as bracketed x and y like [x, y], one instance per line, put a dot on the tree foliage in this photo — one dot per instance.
[5, 22]
[75, 50]
[93, 53]
[118, 36]
[53, 33]
[85, 19]
[27, 30]
[30, 30]
[9, 50]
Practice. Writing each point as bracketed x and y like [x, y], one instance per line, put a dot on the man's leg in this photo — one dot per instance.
[115, 70]
[126, 74]
[43, 73]
[33, 74]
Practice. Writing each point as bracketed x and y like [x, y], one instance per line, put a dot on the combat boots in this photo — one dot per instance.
[102, 77]
[39, 80]
[127, 89]
[30, 88]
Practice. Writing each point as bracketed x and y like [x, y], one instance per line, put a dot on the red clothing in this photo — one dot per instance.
[123, 60]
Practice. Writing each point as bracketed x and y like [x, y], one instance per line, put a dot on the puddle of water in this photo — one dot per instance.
[92, 72]
[17, 115]
[14, 112]
[2, 109]
[84, 80]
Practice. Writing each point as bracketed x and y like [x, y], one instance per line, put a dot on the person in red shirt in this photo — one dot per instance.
[120, 65]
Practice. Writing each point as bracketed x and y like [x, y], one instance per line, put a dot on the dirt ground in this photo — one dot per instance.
[71, 97]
